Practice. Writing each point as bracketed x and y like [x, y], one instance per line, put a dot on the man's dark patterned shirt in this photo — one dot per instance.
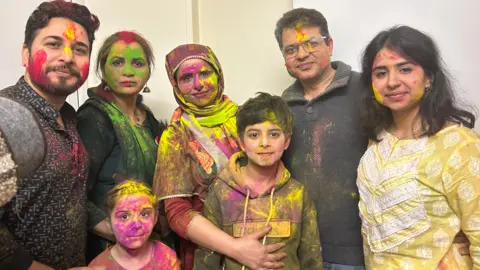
[46, 221]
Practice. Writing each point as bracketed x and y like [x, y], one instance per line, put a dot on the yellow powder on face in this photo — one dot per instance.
[70, 32]
[211, 81]
[131, 188]
[67, 50]
[378, 97]
[301, 37]
[417, 94]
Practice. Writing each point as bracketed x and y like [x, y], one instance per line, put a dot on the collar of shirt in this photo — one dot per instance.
[47, 110]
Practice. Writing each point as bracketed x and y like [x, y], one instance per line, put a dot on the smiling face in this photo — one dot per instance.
[398, 83]
[312, 55]
[197, 82]
[126, 68]
[264, 143]
[59, 59]
[132, 220]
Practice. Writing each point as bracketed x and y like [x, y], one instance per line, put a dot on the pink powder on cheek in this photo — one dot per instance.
[35, 66]
[125, 230]
[185, 88]
[324, 60]
[84, 71]
[194, 70]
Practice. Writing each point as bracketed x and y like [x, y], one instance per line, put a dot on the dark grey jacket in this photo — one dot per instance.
[324, 154]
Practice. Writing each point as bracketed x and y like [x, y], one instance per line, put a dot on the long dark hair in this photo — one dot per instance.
[437, 105]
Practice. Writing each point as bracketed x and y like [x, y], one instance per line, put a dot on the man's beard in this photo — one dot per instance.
[39, 78]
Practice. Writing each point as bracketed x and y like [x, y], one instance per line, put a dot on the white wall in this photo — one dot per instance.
[12, 27]
[453, 25]
[164, 23]
[241, 35]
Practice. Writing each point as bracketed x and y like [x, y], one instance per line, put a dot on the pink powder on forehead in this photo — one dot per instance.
[127, 36]
[193, 68]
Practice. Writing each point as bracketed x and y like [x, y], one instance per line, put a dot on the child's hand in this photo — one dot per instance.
[253, 254]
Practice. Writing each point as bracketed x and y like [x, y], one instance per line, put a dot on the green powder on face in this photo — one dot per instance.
[128, 55]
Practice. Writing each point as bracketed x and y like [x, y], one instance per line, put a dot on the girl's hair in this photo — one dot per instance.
[438, 103]
[128, 37]
[125, 188]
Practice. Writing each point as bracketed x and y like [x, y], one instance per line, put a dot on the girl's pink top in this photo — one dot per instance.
[163, 258]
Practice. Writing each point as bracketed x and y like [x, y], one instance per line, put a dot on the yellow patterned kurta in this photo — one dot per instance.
[416, 195]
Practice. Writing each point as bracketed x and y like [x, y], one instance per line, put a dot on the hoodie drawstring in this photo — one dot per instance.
[245, 211]
[270, 213]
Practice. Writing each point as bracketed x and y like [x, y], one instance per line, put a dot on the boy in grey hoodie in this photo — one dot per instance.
[256, 190]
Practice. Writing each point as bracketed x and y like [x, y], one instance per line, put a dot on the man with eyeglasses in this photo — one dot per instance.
[327, 143]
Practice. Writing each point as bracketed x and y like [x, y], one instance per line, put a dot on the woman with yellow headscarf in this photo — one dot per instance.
[193, 150]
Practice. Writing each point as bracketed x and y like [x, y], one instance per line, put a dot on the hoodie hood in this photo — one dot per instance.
[231, 175]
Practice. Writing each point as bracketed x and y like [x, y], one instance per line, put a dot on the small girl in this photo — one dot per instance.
[132, 214]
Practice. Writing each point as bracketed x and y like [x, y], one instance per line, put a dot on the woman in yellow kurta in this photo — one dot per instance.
[419, 180]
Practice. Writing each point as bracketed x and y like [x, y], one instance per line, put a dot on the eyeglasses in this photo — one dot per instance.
[310, 45]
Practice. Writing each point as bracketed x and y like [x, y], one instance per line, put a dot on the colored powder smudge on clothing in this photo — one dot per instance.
[223, 145]
[76, 162]
[232, 195]
[314, 158]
